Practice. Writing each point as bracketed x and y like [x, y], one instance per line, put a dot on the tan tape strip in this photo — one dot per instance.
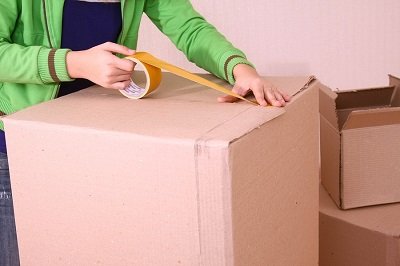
[152, 67]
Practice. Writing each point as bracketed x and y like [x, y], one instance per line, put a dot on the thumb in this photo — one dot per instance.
[116, 48]
[230, 98]
[227, 99]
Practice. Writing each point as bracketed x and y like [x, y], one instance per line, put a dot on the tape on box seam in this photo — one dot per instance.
[152, 67]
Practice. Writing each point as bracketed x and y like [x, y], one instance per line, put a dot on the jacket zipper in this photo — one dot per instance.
[57, 86]
[46, 23]
[121, 35]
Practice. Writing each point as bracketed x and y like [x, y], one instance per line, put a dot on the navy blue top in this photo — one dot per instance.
[85, 25]
[3, 148]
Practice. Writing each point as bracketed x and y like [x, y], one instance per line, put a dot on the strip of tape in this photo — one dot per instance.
[152, 67]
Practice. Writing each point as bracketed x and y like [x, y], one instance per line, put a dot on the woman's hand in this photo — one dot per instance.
[247, 79]
[100, 65]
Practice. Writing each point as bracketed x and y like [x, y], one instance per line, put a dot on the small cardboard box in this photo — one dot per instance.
[173, 179]
[360, 145]
[360, 237]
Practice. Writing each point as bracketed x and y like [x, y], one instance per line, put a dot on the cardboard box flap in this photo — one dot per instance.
[327, 106]
[373, 118]
[374, 97]
[394, 81]
[292, 85]
[163, 115]
[343, 114]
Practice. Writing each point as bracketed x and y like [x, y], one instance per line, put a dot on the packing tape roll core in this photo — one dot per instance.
[152, 68]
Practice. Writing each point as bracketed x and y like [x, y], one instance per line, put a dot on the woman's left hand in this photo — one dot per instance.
[247, 79]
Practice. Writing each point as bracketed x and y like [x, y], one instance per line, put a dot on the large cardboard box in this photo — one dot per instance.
[366, 236]
[173, 179]
[360, 145]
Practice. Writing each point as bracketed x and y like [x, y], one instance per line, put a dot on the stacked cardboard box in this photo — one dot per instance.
[368, 236]
[360, 155]
[174, 179]
[360, 145]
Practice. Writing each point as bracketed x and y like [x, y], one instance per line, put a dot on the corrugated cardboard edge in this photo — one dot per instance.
[310, 81]
[327, 106]
[372, 118]
[395, 81]
[330, 144]
[330, 159]
[214, 146]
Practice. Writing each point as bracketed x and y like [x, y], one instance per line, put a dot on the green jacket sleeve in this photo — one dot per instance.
[195, 37]
[26, 64]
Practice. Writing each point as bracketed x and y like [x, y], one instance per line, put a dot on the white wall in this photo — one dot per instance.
[345, 43]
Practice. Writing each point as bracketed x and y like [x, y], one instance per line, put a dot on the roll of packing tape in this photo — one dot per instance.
[152, 67]
[141, 88]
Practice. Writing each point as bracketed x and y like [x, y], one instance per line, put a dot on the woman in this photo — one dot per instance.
[50, 48]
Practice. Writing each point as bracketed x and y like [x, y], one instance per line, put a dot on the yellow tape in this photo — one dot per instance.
[152, 68]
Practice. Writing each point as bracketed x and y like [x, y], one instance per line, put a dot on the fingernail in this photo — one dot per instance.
[131, 51]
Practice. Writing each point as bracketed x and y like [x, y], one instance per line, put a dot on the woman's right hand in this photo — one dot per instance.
[101, 66]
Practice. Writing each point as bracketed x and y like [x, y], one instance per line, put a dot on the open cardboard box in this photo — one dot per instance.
[359, 237]
[173, 179]
[360, 145]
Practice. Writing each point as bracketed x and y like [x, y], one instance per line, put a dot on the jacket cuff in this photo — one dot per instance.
[52, 65]
[229, 61]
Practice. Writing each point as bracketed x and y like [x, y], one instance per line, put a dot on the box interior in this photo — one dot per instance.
[366, 99]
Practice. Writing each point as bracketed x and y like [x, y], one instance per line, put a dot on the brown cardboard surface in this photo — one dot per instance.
[330, 159]
[327, 106]
[373, 118]
[370, 166]
[344, 114]
[361, 237]
[364, 98]
[253, 196]
[394, 81]
[174, 179]
[365, 133]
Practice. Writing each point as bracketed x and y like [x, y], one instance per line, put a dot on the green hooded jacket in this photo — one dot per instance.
[32, 65]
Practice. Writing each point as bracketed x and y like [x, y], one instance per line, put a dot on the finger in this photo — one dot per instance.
[230, 98]
[227, 99]
[114, 71]
[270, 96]
[279, 97]
[120, 78]
[120, 85]
[241, 91]
[124, 64]
[117, 48]
[259, 94]
[286, 96]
